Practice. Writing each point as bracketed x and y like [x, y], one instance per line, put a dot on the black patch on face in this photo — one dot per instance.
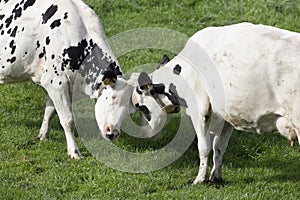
[55, 24]
[177, 70]
[159, 88]
[174, 97]
[28, 3]
[49, 13]
[145, 111]
[138, 90]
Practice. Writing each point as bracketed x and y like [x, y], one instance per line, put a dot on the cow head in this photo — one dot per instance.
[119, 97]
[155, 101]
[113, 104]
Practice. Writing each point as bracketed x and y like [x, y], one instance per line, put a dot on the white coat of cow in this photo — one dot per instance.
[60, 45]
[259, 68]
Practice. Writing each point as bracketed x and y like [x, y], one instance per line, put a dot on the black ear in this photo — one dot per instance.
[164, 61]
[144, 81]
[109, 75]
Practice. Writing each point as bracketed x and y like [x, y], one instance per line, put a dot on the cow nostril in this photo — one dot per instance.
[108, 129]
[110, 136]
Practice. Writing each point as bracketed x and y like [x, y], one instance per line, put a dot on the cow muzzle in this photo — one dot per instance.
[110, 132]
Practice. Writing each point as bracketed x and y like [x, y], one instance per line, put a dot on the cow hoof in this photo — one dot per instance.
[196, 181]
[42, 137]
[75, 155]
[293, 143]
[216, 180]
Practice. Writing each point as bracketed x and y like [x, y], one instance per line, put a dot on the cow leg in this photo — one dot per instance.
[204, 146]
[58, 91]
[220, 144]
[45, 128]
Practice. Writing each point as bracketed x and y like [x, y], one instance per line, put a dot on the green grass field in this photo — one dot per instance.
[255, 166]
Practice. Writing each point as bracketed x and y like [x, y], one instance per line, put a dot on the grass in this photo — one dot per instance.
[255, 166]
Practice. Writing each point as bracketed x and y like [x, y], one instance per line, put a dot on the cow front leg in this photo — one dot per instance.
[220, 144]
[58, 91]
[45, 128]
[204, 146]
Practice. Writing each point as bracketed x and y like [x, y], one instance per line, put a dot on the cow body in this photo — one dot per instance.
[59, 45]
[259, 69]
[242, 76]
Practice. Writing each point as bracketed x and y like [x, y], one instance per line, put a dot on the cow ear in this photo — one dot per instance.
[109, 76]
[164, 61]
[144, 81]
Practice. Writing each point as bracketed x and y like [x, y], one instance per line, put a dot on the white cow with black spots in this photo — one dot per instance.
[242, 76]
[61, 46]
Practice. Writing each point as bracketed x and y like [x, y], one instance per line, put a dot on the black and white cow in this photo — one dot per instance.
[61, 46]
[242, 76]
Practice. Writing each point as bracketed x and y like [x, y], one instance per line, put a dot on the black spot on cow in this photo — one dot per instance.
[38, 45]
[2, 17]
[8, 21]
[55, 24]
[17, 11]
[2, 32]
[28, 3]
[177, 70]
[1, 26]
[47, 40]
[12, 60]
[145, 111]
[59, 83]
[51, 81]
[13, 49]
[9, 30]
[76, 55]
[52, 56]
[43, 53]
[174, 97]
[66, 15]
[11, 44]
[49, 13]
[14, 32]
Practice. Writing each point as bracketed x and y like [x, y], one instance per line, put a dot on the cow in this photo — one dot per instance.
[241, 76]
[61, 46]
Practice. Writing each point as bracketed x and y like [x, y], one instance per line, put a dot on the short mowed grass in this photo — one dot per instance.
[255, 166]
